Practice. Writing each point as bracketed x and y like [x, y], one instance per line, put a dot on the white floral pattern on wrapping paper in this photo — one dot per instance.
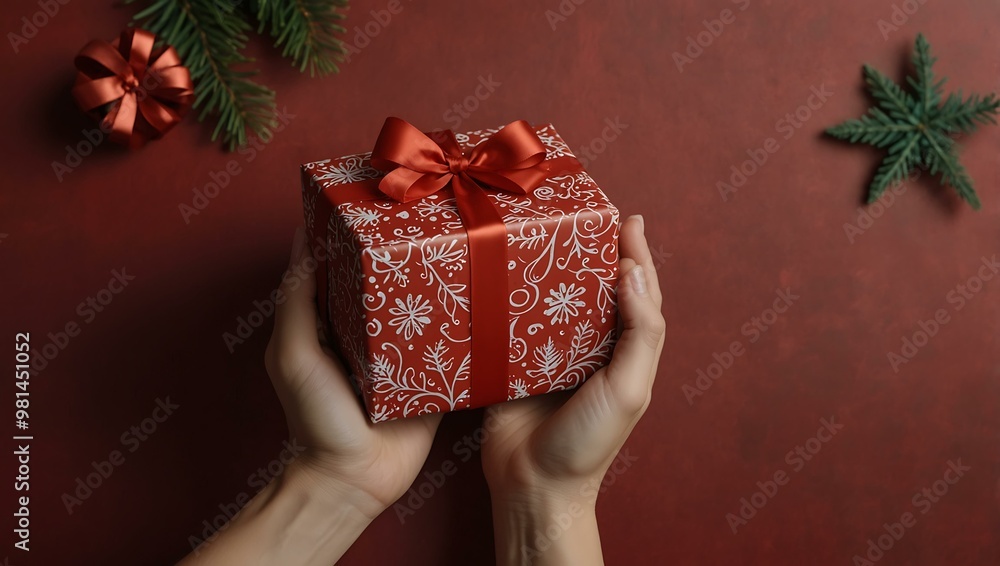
[559, 369]
[398, 291]
[411, 316]
[347, 169]
[563, 303]
[438, 387]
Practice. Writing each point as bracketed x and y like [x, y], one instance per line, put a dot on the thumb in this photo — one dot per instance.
[295, 336]
[633, 364]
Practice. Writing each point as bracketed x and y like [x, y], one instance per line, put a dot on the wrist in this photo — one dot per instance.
[332, 492]
[293, 520]
[310, 513]
[542, 526]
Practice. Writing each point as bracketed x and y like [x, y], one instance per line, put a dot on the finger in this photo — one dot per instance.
[633, 365]
[635, 248]
[295, 323]
[625, 265]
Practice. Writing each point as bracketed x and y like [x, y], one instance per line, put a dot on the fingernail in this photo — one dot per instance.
[638, 279]
[642, 223]
[297, 239]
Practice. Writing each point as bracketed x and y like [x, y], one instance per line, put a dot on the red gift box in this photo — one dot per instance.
[395, 281]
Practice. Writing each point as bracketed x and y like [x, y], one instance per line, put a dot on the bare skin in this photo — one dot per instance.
[536, 462]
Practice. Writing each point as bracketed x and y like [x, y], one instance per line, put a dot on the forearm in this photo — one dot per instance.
[543, 531]
[288, 523]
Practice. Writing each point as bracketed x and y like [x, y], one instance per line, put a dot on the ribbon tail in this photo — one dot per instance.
[122, 120]
[488, 291]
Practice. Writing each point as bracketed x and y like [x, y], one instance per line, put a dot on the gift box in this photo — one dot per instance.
[462, 270]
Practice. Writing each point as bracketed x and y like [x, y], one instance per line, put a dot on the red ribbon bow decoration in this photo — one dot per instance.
[148, 90]
[512, 160]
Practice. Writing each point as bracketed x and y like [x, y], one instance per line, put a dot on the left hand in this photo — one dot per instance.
[345, 454]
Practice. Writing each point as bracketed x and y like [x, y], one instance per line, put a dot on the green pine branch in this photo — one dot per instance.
[928, 92]
[306, 30]
[959, 116]
[914, 129]
[890, 97]
[874, 128]
[903, 156]
[941, 158]
[209, 36]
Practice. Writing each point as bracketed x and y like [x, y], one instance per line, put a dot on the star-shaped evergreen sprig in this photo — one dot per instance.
[917, 127]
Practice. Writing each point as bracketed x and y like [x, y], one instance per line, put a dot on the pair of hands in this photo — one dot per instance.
[538, 462]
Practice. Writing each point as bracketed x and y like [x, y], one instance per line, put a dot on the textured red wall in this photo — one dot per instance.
[722, 263]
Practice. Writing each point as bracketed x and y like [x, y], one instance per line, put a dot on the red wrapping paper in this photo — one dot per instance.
[394, 285]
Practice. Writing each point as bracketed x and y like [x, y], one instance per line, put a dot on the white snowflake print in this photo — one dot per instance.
[411, 316]
[344, 173]
[563, 303]
[360, 217]
[444, 208]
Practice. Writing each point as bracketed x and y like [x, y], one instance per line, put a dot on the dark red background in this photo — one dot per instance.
[721, 263]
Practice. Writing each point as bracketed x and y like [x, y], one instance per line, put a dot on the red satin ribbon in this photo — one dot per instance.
[419, 165]
[149, 91]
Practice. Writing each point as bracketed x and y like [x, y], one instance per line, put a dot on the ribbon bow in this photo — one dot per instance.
[148, 91]
[512, 160]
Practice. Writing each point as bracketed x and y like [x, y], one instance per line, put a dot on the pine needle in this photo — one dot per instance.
[306, 30]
